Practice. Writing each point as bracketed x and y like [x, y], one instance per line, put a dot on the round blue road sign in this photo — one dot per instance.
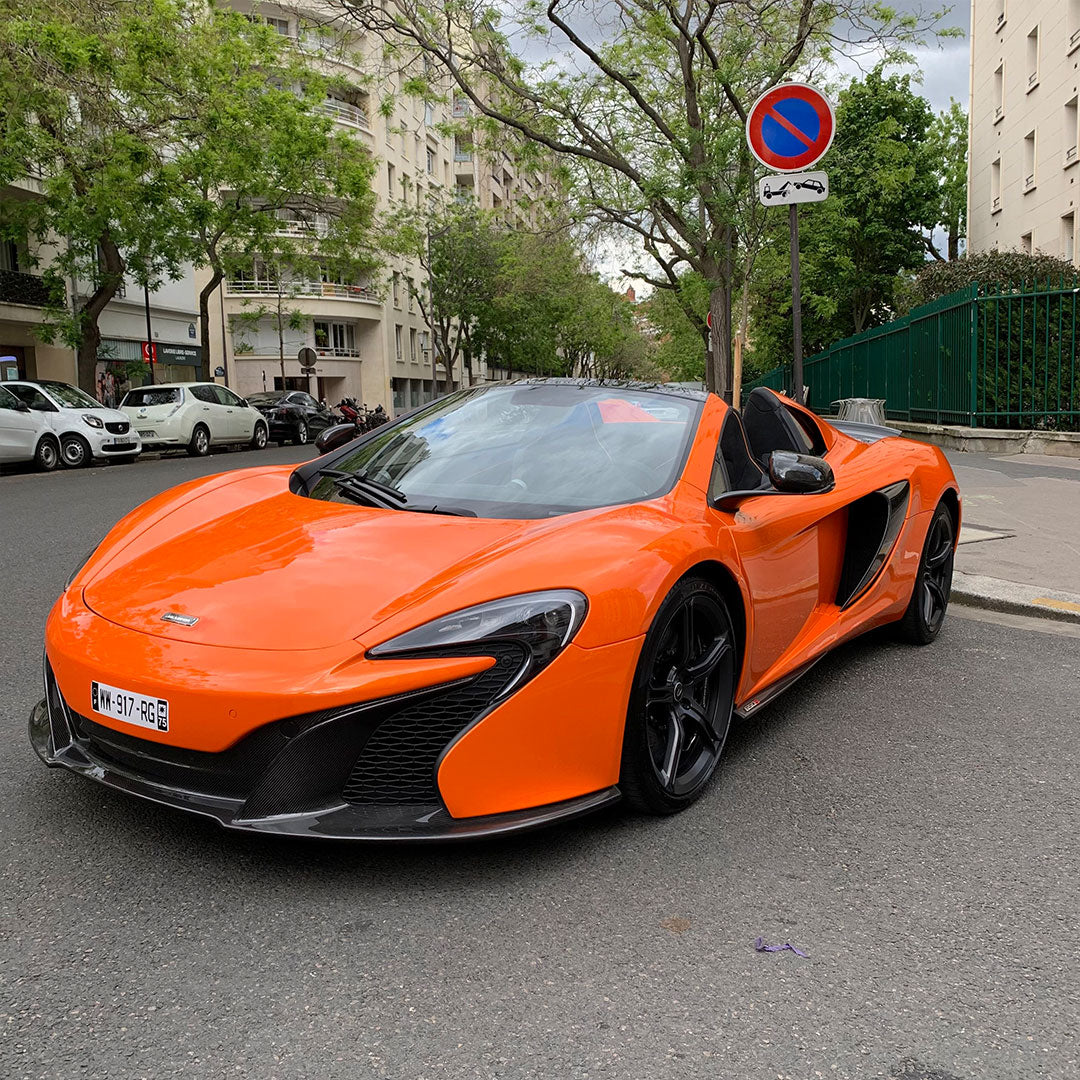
[791, 127]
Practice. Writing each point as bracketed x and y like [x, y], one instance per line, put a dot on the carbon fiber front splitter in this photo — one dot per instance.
[57, 746]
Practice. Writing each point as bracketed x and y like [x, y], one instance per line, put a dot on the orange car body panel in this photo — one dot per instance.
[291, 592]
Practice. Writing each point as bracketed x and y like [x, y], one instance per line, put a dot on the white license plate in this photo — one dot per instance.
[132, 708]
[120, 439]
[147, 434]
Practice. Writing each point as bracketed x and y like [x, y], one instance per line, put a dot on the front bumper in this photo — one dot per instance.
[315, 775]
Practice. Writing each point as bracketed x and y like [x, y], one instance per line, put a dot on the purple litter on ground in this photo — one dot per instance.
[760, 946]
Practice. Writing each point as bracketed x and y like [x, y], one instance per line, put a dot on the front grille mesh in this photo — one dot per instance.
[117, 427]
[397, 765]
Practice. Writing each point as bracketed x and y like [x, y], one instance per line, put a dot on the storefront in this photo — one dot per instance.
[121, 365]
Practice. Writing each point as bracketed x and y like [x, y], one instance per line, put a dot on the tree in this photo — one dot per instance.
[883, 196]
[647, 100]
[81, 158]
[250, 145]
[948, 151]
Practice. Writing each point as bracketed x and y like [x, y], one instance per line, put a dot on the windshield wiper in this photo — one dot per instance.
[364, 489]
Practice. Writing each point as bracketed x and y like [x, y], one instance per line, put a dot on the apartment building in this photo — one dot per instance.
[1024, 165]
[23, 298]
[370, 336]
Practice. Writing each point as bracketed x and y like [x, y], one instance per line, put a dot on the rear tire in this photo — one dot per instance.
[75, 452]
[47, 454]
[681, 701]
[300, 434]
[259, 437]
[925, 614]
[200, 441]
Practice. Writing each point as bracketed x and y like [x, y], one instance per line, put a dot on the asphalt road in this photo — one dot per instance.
[906, 817]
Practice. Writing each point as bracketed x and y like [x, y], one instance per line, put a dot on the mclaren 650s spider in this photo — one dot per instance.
[515, 604]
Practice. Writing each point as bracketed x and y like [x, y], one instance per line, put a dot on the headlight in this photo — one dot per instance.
[92, 420]
[540, 624]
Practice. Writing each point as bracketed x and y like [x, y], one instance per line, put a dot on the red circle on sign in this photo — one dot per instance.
[800, 144]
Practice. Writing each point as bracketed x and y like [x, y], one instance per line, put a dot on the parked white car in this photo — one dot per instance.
[86, 428]
[25, 435]
[193, 416]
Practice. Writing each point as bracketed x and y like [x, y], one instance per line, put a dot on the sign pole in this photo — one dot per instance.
[796, 308]
[149, 334]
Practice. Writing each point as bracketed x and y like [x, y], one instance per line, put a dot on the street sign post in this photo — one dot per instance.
[308, 358]
[789, 129]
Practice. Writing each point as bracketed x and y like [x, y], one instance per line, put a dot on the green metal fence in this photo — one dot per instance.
[981, 357]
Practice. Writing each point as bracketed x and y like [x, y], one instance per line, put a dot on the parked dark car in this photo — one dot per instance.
[293, 416]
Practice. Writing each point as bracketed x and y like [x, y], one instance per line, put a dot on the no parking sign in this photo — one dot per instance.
[791, 127]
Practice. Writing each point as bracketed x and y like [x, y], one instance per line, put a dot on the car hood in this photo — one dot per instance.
[262, 568]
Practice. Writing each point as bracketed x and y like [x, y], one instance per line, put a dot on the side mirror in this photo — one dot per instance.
[335, 436]
[799, 474]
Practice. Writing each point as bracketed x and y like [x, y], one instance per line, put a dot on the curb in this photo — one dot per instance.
[995, 594]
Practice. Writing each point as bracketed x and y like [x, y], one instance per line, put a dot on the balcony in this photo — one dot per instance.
[300, 229]
[462, 155]
[19, 288]
[303, 288]
[344, 112]
[338, 351]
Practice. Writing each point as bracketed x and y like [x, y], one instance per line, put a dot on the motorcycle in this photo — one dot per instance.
[358, 420]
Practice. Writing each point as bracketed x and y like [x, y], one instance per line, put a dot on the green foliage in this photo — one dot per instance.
[947, 147]
[884, 194]
[994, 270]
[679, 348]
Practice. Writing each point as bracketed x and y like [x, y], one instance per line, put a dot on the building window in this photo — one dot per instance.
[1025, 243]
[1068, 237]
[1033, 59]
[334, 338]
[397, 341]
[999, 92]
[412, 346]
[429, 113]
[1030, 161]
[397, 289]
[9, 256]
[391, 176]
[430, 161]
[995, 186]
[1072, 132]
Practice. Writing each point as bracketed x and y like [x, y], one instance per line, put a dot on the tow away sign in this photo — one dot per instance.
[793, 188]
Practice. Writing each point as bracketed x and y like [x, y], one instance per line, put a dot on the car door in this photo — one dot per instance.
[316, 418]
[19, 430]
[240, 418]
[789, 547]
[209, 411]
[38, 403]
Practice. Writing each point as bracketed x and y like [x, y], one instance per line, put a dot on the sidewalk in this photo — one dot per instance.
[1020, 541]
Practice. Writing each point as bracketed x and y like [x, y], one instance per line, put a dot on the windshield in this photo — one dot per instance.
[527, 451]
[152, 395]
[71, 397]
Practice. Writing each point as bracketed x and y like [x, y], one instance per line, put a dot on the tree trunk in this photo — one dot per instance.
[719, 363]
[954, 244]
[208, 290]
[111, 275]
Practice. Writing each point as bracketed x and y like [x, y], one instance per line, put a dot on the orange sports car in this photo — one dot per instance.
[515, 604]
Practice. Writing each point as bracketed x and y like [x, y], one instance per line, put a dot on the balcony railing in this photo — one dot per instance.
[995, 203]
[300, 229]
[999, 112]
[337, 350]
[462, 155]
[346, 113]
[1033, 78]
[1075, 38]
[1070, 155]
[1029, 181]
[1001, 17]
[19, 288]
[303, 288]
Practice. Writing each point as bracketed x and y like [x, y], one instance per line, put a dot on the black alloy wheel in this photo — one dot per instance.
[933, 582]
[300, 434]
[682, 700]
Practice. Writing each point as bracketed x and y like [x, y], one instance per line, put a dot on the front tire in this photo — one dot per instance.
[933, 582]
[47, 454]
[300, 434]
[259, 438]
[75, 452]
[200, 441]
[681, 702]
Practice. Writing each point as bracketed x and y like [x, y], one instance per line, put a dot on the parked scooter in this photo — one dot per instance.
[358, 420]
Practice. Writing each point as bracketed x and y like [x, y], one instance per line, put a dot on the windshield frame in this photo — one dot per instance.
[305, 479]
